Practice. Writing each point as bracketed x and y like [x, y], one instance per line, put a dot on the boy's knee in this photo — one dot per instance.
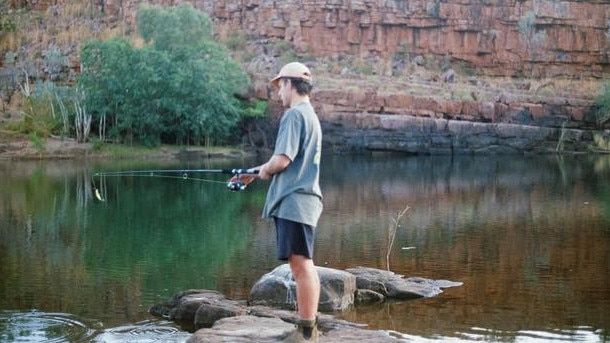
[300, 265]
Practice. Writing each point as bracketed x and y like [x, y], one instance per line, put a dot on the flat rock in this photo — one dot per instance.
[244, 329]
[396, 286]
[266, 330]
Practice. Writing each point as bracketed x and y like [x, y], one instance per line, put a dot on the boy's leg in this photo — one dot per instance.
[307, 284]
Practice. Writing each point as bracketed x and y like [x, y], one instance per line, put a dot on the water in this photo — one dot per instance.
[528, 236]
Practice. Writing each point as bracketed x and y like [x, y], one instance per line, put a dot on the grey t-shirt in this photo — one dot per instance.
[295, 194]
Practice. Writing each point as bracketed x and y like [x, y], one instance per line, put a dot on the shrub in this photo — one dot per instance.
[603, 103]
[178, 88]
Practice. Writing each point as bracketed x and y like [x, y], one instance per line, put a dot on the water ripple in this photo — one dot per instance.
[48, 327]
[144, 332]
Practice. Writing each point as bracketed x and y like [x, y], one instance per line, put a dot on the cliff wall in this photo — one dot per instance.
[564, 37]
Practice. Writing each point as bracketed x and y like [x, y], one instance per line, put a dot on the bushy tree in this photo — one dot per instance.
[180, 87]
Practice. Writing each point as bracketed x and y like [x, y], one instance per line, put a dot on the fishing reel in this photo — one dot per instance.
[236, 185]
[239, 182]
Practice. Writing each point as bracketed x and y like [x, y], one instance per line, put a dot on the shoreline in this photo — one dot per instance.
[18, 147]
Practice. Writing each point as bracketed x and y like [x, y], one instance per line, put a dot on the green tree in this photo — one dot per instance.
[179, 88]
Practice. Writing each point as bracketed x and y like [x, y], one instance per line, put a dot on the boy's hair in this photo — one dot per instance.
[302, 86]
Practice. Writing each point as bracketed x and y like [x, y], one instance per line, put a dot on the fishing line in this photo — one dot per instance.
[234, 184]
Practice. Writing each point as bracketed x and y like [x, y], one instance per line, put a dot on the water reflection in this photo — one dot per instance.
[528, 236]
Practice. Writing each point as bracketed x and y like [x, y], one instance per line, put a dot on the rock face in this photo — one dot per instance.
[370, 120]
[502, 37]
[218, 319]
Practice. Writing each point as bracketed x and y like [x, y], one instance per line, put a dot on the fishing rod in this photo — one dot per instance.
[236, 183]
[178, 171]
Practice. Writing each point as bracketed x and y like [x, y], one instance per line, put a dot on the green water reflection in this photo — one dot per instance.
[63, 250]
[528, 236]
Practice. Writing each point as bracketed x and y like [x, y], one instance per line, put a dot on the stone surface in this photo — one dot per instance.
[244, 329]
[215, 318]
[278, 289]
[396, 286]
[481, 33]
[261, 329]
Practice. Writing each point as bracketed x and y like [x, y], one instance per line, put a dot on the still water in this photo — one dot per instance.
[528, 236]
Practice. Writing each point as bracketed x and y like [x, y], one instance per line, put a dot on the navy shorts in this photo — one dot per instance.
[293, 238]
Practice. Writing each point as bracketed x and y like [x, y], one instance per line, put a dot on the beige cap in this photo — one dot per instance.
[292, 69]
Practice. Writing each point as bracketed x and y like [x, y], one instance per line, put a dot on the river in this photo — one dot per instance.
[529, 237]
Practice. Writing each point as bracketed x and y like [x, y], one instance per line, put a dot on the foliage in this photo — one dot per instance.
[601, 143]
[178, 88]
[54, 61]
[44, 109]
[603, 103]
[256, 109]
[37, 141]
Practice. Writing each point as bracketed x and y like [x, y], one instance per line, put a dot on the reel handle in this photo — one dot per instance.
[240, 181]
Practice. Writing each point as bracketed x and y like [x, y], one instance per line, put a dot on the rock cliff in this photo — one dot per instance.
[499, 37]
[433, 113]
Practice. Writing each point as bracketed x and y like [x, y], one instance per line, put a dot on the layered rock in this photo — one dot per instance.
[367, 119]
[571, 35]
[566, 37]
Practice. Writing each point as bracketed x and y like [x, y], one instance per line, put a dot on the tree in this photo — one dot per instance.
[180, 87]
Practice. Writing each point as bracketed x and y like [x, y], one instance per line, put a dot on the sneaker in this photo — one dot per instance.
[306, 331]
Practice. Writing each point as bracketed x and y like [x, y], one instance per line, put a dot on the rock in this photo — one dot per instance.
[275, 289]
[278, 289]
[216, 318]
[267, 330]
[449, 76]
[244, 329]
[396, 286]
[197, 308]
[367, 296]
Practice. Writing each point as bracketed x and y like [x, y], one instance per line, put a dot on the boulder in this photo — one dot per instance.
[197, 308]
[278, 289]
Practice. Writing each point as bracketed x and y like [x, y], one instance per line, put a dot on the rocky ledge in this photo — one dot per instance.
[268, 315]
